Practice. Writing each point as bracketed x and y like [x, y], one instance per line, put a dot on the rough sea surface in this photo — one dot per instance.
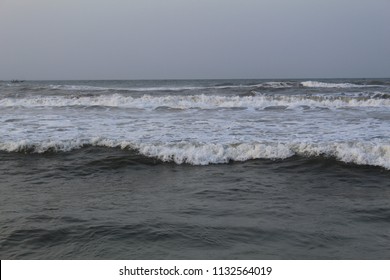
[195, 169]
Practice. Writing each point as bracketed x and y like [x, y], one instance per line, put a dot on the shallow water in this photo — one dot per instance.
[99, 203]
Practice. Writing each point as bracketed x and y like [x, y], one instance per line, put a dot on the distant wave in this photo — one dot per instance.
[315, 84]
[145, 89]
[256, 101]
[265, 85]
[361, 153]
[87, 88]
[131, 89]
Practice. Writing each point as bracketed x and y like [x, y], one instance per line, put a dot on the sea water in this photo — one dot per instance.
[198, 169]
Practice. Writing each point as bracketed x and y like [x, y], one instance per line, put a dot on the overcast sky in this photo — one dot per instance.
[184, 39]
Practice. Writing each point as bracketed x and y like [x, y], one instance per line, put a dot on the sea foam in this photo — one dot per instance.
[201, 101]
[361, 153]
[316, 84]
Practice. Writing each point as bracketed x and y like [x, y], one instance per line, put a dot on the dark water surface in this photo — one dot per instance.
[107, 203]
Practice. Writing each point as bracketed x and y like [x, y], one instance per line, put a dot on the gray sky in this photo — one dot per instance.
[159, 39]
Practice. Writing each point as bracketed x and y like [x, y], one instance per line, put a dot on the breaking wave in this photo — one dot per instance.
[201, 101]
[315, 84]
[360, 153]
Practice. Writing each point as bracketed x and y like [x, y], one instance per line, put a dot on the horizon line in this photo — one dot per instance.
[193, 79]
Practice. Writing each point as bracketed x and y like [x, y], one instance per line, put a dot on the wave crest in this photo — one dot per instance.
[361, 153]
[316, 84]
[201, 101]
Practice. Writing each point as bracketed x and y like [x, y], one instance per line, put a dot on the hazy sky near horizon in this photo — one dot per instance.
[184, 39]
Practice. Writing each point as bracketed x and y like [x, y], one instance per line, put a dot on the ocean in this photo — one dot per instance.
[195, 169]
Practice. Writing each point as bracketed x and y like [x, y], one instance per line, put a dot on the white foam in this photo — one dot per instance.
[354, 152]
[358, 153]
[194, 101]
[315, 84]
[203, 154]
[361, 153]
[26, 145]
